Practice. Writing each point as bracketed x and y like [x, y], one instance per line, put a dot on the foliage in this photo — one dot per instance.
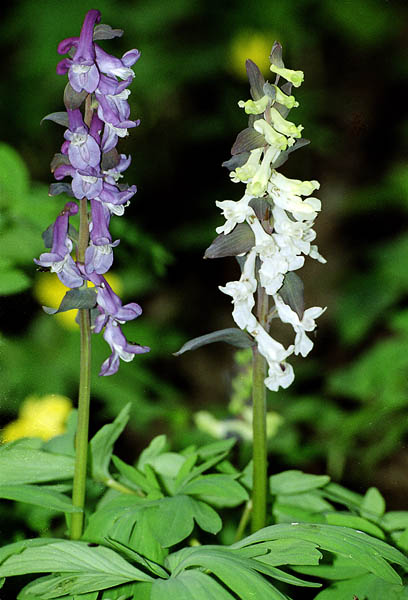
[342, 540]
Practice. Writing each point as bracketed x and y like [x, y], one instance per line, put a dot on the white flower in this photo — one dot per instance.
[295, 77]
[242, 293]
[259, 182]
[275, 139]
[294, 186]
[285, 127]
[314, 253]
[280, 373]
[234, 212]
[249, 169]
[303, 344]
[255, 107]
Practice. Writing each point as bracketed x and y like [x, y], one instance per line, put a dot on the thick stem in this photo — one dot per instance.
[259, 490]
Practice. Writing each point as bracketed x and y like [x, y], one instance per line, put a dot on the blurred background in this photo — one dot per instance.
[346, 413]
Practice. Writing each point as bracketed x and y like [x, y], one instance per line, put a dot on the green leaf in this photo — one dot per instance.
[236, 572]
[349, 520]
[363, 587]
[295, 482]
[74, 299]
[27, 465]
[167, 464]
[177, 513]
[61, 118]
[190, 585]
[366, 551]
[338, 493]
[291, 552]
[40, 496]
[152, 566]
[156, 447]
[206, 517]
[394, 520]
[218, 489]
[101, 445]
[214, 448]
[373, 505]
[239, 241]
[234, 336]
[133, 475]
[13, 281]
[74, 558]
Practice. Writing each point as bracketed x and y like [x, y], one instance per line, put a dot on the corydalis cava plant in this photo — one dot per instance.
[270, 229]
[97, 115]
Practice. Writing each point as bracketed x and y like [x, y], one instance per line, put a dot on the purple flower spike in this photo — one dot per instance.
[83, 73]
[120, 347]
[83, 150]
[60, 259]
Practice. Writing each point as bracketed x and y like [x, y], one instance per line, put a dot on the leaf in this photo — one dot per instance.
[235, 572]
[155, 568]
[238, 160]
[256, 79]
[40, 496]
[241, 239]
[364, 550]
[73, 99]
[234, 336]
[177, 513]
[206, 517]
[218, 489]
[19, 464]
[61, 118]
[101, 445]
[373, 505]
[292, 482]
[167, 464]
[292, 293]
[275, 56]
[74, 299]
[349, 520]
[71, 557]
[61, 187]
[291, 552]
[394, 520]
[338, 493]
[248, 139]
[156, 447]
[190, 585]
[363, 587]
[284, 155]
[133, 475]
[214, 448]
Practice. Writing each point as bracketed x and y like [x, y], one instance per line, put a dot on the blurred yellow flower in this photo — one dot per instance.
[49, 291]
[250, 44]
[42, 417]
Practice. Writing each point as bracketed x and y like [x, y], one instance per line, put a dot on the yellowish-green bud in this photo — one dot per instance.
[255, 107]
[286, 127]
[295, 77]
[281, 98]
[249, 169]
[272, 137]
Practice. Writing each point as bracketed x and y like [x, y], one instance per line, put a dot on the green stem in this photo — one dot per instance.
[243, 521]
[84, 394]
[81, 440]
[260, 468]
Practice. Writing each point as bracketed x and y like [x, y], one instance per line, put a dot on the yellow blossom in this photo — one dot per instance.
[250, 44]
[42, 417]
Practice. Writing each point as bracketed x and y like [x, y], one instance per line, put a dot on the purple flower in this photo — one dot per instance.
[114, 199]
[86, 183]
[120, 347]
[113, 175]
[116, 67]
[99, 255]
[82, 71]
[83, 149]
[60, 259]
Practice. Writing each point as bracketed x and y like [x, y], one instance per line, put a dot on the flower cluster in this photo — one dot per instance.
[271, 226]
[89, 157]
